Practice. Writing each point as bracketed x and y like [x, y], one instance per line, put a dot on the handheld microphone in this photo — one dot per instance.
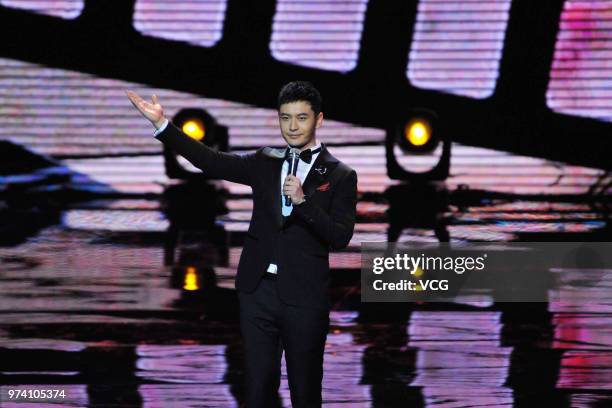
[294, 157]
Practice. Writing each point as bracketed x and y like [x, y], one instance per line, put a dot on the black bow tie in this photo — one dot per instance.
[306, 155]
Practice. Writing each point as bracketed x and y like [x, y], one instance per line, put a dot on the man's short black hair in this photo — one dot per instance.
[300, 91]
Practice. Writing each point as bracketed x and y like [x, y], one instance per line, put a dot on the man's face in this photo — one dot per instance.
[298, 123]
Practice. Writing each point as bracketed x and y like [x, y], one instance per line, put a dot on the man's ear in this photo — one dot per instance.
[319, 120]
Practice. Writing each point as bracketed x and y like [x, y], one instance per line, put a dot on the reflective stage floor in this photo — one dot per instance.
[130, 303]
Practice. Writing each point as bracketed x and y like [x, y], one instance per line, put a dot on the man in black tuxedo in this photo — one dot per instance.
[283, 274]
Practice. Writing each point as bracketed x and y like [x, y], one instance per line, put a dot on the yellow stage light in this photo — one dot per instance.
[202, 127]
[195, 129]
[417, 132]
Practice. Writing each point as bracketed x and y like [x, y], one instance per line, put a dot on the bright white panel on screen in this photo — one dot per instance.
[67, 9]
[581, 75]
[318, 34]
[198, 22]
[457, 46]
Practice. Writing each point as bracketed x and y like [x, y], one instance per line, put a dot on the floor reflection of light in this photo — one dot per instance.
[586, 369]
[191, 279]
[66, 9]
[459, 358]
[42, 344]
[454, 328]
[583, 331]
[120, 204]
[41, 373]
[452, 348]
[550, 227]
[87, 276]
[581, 290]
[182, 363]
[186, 396]
[407, 235]
[345, 260]
[343, 317]
[522, 206]
[467, 397]
[530, 217]
[235, 217]
[586, 400]
[234, 257]
[475, 300]
[239, 204]
[234, 226]
[115, 220]
[342, 368]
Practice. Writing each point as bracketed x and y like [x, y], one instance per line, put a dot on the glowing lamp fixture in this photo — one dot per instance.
[202, 127]
[417, 132]
[412, 146]
[195, 129]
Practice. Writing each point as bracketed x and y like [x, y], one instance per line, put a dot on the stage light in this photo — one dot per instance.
[417, 132]
[195, 129]
[413, 147]
[202, 127]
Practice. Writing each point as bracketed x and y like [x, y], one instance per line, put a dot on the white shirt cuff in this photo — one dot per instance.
[161, 128]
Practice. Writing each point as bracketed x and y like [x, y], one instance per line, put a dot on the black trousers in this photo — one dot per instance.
[270, 327]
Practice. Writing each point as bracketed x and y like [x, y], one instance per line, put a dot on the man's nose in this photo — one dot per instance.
[293, 125]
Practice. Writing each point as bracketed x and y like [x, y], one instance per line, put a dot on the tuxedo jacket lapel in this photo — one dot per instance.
[277, 156]
[278, 198]
[322, 167]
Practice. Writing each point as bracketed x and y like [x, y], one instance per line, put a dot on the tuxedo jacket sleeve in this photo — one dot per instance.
[214, 164]
[336, 226]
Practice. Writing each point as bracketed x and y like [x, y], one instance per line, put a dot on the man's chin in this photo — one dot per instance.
[296, 144]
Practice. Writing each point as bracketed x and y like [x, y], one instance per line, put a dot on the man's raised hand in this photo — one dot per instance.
[150, 110]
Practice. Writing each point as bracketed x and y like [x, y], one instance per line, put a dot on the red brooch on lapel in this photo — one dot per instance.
[323, 187]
